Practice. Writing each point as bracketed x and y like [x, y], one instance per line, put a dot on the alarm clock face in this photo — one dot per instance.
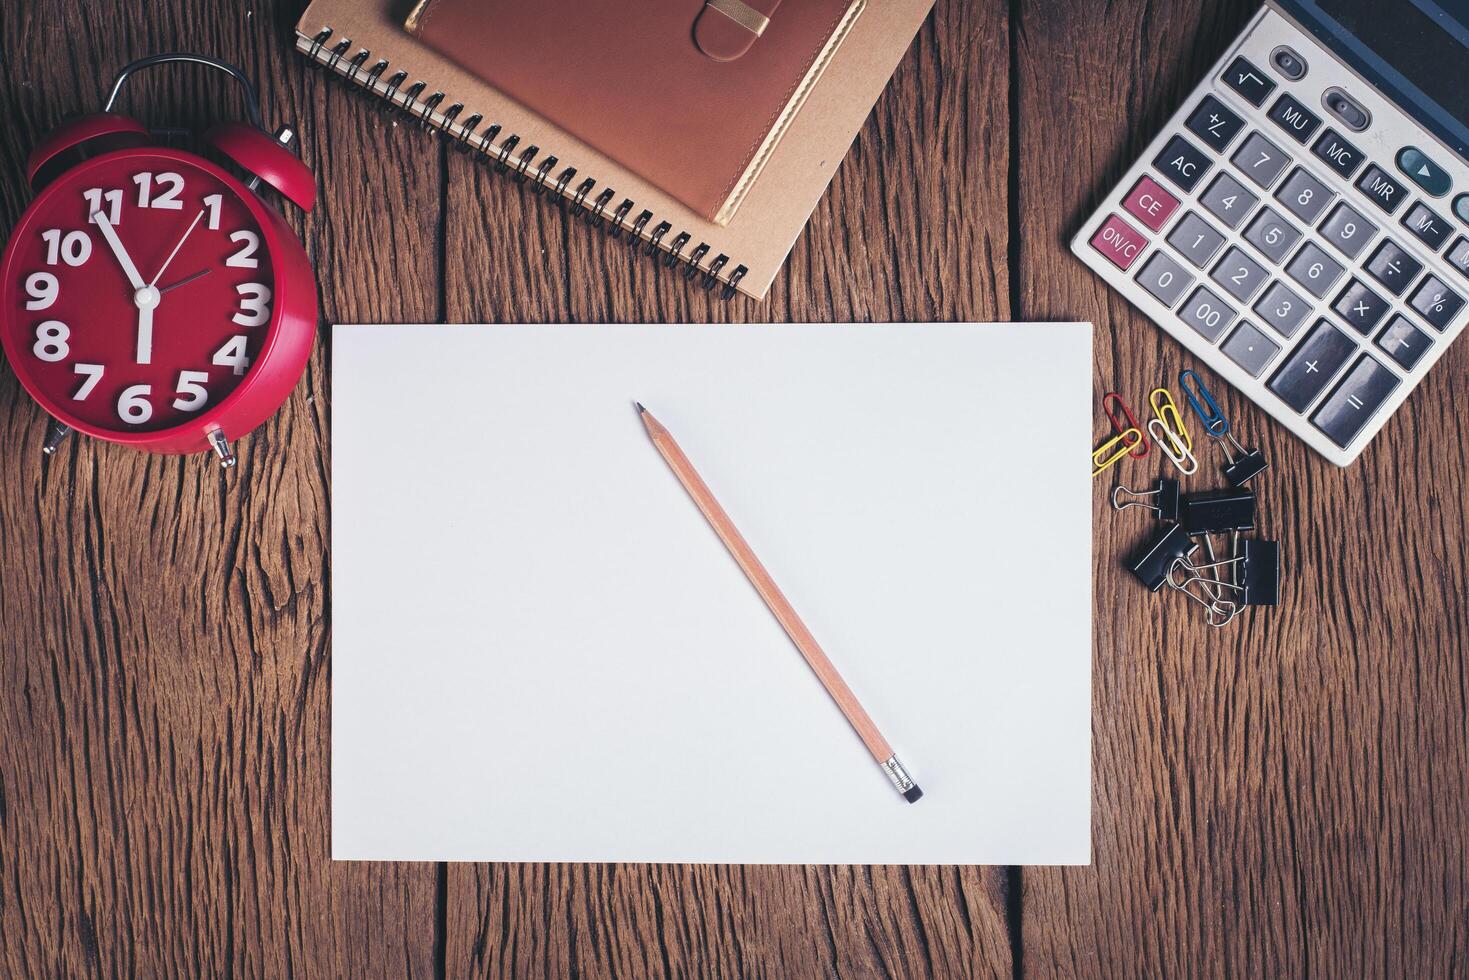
[138, 292]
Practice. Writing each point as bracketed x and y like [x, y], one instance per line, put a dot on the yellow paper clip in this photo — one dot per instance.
[1108, 453]
[1167, 412]
[1168, 431]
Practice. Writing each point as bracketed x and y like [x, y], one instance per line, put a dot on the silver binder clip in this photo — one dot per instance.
[1165, 503]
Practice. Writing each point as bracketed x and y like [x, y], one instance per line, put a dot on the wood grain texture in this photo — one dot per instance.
[164, 627]
[1286, 796]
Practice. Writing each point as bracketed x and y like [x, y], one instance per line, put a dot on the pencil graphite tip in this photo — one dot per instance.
[641, 409]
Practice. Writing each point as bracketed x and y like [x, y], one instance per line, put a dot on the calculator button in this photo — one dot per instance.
[1240, 275]
[1360, 307]
[1119, 242]
[1403, 342]
[1303, 195]
[1426, 226]
[1282, 309]
[1207, 313]
[1272, 235]
[1227, 200]
[1358, 397]
[1423, 171]
[1195, 239]
[1249, 81]
[1213, 123]
[1461, 208]
[1458, 256]
[1385, 192]
[1437, 303]
[1311, 365]
[1393, 267]
[1182, 162]
[1347, 230]
[1338, 154]
[1250, 348]
[1150, 203]
[1298, 122]
[1261, 160]
[1164, 278]
[1314, 269]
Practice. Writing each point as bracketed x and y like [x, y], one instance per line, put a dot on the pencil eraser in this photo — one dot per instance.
[913, 794]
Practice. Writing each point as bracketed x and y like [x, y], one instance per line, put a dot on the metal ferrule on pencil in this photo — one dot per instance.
[900, 779]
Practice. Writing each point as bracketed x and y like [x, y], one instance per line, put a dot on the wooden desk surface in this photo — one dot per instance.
[1285, 797]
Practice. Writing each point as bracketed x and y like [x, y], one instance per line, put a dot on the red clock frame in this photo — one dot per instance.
[289, 335]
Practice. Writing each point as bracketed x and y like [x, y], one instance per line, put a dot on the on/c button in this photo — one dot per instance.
[1423, 171]
[1119, 242]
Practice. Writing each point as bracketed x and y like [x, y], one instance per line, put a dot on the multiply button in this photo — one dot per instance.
[1150, 203]
[1119, 242]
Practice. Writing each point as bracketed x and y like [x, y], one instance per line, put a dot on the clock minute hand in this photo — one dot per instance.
[162, 269]
[135, 279]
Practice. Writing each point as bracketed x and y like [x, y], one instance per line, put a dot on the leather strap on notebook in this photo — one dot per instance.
[727, 29]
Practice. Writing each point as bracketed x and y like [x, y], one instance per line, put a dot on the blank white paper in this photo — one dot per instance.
[542, 652]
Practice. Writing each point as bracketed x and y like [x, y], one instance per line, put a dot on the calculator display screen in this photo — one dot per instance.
[1416, 52]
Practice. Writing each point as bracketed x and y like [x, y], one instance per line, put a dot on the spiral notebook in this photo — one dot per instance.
[364, 41]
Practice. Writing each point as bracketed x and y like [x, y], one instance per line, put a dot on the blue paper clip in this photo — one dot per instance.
[1214, 421]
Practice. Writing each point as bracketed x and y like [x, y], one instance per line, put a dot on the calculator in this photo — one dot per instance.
[1301, 224]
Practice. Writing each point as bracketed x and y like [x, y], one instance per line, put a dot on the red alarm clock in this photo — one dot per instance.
[149, 296]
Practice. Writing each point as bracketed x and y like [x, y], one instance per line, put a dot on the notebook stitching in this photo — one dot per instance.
[795, 85]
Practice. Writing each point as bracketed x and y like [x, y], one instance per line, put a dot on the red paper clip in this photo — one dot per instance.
[1139, 448]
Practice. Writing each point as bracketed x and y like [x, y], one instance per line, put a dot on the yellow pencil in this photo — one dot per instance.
[783, 611]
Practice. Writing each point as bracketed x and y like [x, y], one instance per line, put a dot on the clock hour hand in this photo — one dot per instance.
[135, 279]
[147, 300]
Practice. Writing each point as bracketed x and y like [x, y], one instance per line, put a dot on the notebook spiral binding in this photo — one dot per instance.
[522, 167]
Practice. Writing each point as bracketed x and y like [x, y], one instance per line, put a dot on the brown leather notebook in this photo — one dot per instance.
[363, 43]
[691, 95]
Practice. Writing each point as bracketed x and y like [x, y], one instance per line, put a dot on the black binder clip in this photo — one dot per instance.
[1242, 463]
[1218, 511]
[1152, 564]
[1255, 575]
[1166, 503]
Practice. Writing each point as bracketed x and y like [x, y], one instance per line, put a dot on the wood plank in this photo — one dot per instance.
[914, 227]
[1285, 796]
[164, 703]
